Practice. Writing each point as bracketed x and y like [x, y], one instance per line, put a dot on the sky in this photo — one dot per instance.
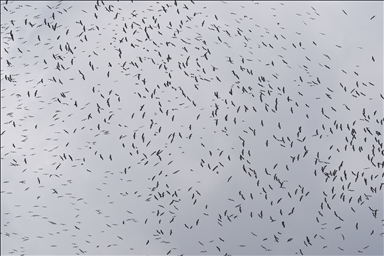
[195, 128]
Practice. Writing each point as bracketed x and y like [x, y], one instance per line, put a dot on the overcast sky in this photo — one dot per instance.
[212, 128]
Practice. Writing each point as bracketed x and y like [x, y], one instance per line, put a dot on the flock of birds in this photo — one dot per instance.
[187, 128]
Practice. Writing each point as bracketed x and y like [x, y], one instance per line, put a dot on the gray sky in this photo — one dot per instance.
[198, 128]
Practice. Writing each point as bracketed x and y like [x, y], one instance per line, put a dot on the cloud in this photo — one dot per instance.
[238, 126]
